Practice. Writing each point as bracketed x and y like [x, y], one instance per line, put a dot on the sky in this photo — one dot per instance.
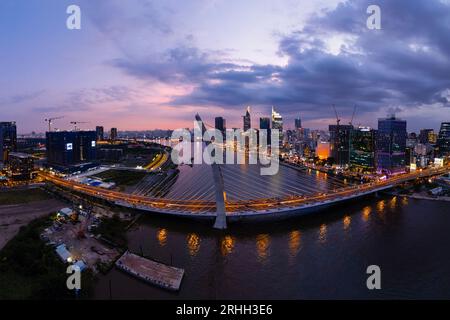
[145, 64]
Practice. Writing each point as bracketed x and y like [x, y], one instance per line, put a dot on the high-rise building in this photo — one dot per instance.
[264, 124]
[340, 143]
[100, 133]
[391, 145]
[113, 134]
[8, 139]
[247, 120]
[424, 135]
[70, 148]
[277, 123]
[220, 124]
[444, 139]
[362, 149]
[277, 120]
[298, 123]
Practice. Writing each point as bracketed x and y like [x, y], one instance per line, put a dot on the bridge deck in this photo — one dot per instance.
[235, 207]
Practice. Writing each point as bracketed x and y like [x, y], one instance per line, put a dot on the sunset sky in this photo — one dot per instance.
[142, 64]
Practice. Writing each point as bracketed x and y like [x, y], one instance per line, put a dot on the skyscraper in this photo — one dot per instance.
[277, 120]
[277, 123]
[340, 143]
[391, 145]
[298, 123]
[113, 134]
[444, 139]
[8, 139]
[264, 124]
[220, 124]
[362, 149]
[100, 133]
[247, 120]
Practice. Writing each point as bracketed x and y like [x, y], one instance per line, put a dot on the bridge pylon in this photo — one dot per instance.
[221, 215]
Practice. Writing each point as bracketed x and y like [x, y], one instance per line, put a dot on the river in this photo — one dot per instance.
[323, 256]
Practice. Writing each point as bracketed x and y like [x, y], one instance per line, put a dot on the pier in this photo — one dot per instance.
[150, 271]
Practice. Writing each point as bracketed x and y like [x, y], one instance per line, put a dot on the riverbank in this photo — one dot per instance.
[30, 269]
[19, 207]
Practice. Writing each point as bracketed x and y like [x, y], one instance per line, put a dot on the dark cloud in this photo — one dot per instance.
[19, 98]
[404, 65]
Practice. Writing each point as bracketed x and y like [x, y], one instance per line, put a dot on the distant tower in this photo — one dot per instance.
[444, 139]
[298, 123]
[264, 124]
[8, 139]
[277, 123]
[220, 124]
[247, 120]
[100, 133]
[113, 134]
[391, 145]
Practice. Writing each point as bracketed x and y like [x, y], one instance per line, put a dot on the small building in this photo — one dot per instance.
[20, 166]
[66, 213]
[63, 253]
[81, 265]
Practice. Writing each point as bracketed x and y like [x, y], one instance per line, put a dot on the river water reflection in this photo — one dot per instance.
[320, 256]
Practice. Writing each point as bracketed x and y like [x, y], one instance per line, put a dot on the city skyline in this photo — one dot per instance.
[300, 58]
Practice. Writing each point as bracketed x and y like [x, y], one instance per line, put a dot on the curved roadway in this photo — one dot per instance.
[236, 208]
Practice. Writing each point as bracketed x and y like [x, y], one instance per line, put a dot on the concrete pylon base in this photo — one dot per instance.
[221, 217]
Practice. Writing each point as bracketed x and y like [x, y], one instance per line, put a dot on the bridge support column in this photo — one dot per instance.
[221, 216]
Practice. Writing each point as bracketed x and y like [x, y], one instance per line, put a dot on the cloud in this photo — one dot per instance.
[334, 59]
[20, 98]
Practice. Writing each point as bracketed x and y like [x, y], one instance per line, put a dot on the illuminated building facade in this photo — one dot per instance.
[444, 139]
[8, 139]
[20, 166]
[340, 143]
[277, 123]
[69, 148]
[362, 149]
[391, 145]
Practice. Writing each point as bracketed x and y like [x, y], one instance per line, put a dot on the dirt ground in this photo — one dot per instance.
[12, 217]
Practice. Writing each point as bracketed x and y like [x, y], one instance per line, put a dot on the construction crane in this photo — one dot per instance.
[353, 116]
[75, 123]
[338, 121]
[50, 121]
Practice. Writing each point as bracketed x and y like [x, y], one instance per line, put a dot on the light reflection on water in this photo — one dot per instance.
[346, 221]
[366, 213]
[262, 246]
[227, 245]
[301, 258]
[393, 203]
[323, 233]
[294, 242]
[193, 243]
[162, 237]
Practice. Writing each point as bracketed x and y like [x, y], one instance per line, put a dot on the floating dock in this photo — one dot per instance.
[150, 271]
